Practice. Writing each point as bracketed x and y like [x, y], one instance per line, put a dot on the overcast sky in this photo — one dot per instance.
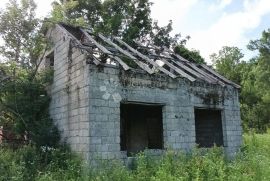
[210, 23]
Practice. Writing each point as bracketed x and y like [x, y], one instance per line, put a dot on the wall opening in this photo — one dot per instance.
[208, 126]
[141, 127]
[49, 60]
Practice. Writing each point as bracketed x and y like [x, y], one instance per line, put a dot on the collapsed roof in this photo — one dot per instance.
[150, 58]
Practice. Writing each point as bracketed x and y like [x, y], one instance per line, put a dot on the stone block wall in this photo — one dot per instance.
[110, 86]
[70, 91]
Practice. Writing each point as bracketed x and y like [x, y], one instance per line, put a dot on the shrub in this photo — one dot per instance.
[32, 163]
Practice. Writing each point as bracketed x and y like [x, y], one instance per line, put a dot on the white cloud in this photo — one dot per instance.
[230, 29]
[175, 10]
[220, 5]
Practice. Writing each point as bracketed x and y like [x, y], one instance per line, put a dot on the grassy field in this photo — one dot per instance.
[253, 163]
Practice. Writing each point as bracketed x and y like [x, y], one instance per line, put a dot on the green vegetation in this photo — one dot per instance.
[24, 103]
[24, 100]
[253, 163]
[253, 76]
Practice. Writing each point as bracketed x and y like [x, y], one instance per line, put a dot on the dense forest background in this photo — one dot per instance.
[23, 97]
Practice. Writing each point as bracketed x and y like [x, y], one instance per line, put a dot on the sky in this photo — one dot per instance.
[210, 23]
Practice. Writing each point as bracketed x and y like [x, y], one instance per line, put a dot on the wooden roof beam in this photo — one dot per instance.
[206, 76]
[220, 76]
[104, 50]
[179, 71]
[139, 63]
[176, 69]
[146, 58]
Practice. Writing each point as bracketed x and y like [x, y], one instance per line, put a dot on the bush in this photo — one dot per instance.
[24, 106]
[31, 163]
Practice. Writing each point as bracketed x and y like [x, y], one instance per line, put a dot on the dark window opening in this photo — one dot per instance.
[49, 60]
[208, 126]
[141, 127]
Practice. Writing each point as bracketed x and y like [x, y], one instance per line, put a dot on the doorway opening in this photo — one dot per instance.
[141, 127]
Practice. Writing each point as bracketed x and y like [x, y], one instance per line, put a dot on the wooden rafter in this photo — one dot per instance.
[146, 58]
[139, 63]
[176, 69]
[206, 76]
[104, 50]
[219, 76]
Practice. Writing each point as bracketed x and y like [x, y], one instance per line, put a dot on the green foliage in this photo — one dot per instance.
[253, 76]
[24, 106]
[24, 101]
[128, 19]
[63, 12]
[32, 163]
[19, 29]
[191, 55]
[227, 62]
[252, 163]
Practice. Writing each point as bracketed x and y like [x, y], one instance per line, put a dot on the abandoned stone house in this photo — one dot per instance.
[111, 100]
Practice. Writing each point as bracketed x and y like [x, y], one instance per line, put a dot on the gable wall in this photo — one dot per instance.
[70, 104]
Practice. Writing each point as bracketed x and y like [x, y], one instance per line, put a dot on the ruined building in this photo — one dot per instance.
[111, 100]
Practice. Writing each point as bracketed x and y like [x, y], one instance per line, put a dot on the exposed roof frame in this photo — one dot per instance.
[145, 58]
[139, 63]
[176, 63]
[220, 76]
[176, 69]
[214, 74]
[104, 50]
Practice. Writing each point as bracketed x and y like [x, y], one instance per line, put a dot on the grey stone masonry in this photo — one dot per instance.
[70, 93]
[178, 97]
[86, 104]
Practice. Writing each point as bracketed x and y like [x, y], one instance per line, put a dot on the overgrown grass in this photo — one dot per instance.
[253, 163]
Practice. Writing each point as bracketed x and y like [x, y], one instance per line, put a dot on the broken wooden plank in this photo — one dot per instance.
[140, 64]
[176, 69]
[180, 64]
[146, 58]
[95, 60]
[183, 66]
[121, 62]
[219, 76]
[182, 73]
[193, 70]
[206, 74]
[176, 55]
[104, 50]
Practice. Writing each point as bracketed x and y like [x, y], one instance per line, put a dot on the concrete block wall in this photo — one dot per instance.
[70, 91]
[109, 86]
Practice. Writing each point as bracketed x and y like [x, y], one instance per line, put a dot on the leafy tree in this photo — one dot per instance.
[128, 19]
[227, 62]
[64, 12]
[19, 30]
[261, 80]
[253, 76]
[24, 105]
[191, 55]
[23, 97]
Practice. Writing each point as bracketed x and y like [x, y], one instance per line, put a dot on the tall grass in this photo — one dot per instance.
[252, 163]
